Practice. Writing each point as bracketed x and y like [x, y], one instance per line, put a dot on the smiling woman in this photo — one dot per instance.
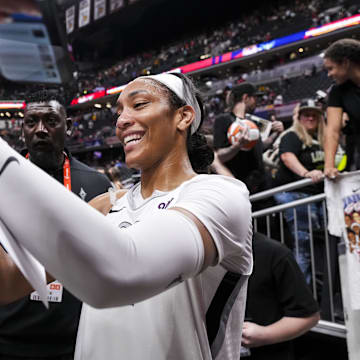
[148, 95]
[160, 258]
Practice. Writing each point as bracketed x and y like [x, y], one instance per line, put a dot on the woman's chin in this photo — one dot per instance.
[133, 162]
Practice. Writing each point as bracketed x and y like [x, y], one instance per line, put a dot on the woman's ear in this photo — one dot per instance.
[186, 117]
[346, 64]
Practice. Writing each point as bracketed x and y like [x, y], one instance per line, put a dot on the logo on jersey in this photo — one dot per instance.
[82, 194]
[116, 210]
[165, 205]
[7, 162]
[124, 225]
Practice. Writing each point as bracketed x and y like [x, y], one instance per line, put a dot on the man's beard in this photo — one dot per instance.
[250, 110]
[48, 161]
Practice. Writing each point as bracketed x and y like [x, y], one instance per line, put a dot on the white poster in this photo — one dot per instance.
[84, 13]
[99, 9]
[343, 203]
[70, 19]
[116, 4]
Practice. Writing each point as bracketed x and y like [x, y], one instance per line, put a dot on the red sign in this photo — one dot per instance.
[88, 97]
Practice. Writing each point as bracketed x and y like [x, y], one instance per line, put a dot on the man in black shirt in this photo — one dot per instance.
[342, 61]
[246, 166]
[27, 329]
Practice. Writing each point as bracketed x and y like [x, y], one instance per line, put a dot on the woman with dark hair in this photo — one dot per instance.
[342, 62]
[160, 259]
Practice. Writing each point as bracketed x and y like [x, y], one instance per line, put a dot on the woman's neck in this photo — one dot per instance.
[166, 175]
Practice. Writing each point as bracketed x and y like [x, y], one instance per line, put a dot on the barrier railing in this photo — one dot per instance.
[330, 325]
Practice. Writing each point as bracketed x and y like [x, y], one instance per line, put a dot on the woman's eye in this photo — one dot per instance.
[139, 104]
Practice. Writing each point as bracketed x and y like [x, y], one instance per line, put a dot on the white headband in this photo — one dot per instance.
[176, 85]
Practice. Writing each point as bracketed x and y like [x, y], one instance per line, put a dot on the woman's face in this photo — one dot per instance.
[146, 124]
[352, 238]
[348, 221]
[309, 119]
[338, 72]
[356, 228]
[356, 217]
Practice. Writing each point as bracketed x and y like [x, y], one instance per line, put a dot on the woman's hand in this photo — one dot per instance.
[315, 175]
[331, 173]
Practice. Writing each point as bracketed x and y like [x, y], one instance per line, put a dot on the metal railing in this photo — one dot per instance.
[329, 326]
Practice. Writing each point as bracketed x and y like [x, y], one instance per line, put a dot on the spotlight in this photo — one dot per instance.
[98, 106]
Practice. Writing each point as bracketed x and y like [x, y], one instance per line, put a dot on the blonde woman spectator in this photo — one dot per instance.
[302, 156]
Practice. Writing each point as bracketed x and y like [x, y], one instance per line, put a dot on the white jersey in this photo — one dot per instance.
[198, 319]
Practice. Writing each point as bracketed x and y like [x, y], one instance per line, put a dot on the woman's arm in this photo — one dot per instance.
[13, 284]
[331, 140]
[291, 161]
[106, 266]
[95, 260]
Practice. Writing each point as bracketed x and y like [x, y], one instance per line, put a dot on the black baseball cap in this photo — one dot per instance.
[244, 88]
[310, 104]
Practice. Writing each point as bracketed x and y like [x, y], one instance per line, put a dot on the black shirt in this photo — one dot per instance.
[311, 157]
[246, 166]
[276, 288]
[26, 327]
[347, 97]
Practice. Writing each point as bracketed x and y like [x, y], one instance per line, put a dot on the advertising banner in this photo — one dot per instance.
[70, 19]
[84, 13]
[99, 9]
[116, 4]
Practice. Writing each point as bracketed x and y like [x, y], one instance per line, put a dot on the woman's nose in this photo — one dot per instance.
[124, 120]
